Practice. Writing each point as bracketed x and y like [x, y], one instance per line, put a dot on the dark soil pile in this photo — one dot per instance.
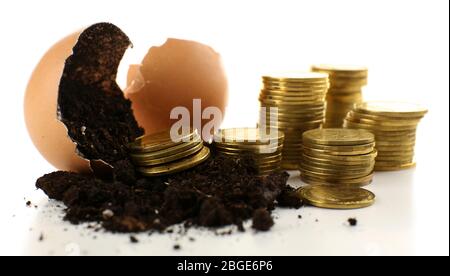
[220, 192]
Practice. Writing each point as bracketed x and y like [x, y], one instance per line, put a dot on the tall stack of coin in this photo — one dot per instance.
[394, 126]
[264, 148]
[163, 153]
[337, 156]
[293, 103]
[346, 83]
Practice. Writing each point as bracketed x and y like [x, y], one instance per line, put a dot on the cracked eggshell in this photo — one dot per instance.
[172, 75]
[48, 134]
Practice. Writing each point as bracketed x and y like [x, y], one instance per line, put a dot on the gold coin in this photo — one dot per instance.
[333, 174]
[354, 123]
[301, 108]
[145, 157]
[395, 168]
[347, 82]
[285, 104]
[321, 155]
[160, 141]
[400, 144]
[249, 147]
[250, 136]
[289, 166]
[337, 166]
[307, 158]
[296, 99]
[296, 93]
[168, 159]
[341, 70]
[395, 154]
[337, 172]
[395, 139]
[293, 121]
[339, 153]
[178, 166]
[355, 149]
[342, 91]
[338, 136]
[296, 76]
[397, 120]
[326, 196]
[395, 148]
[261, 150]
[356, 182]
[384, 123]
[394, 109]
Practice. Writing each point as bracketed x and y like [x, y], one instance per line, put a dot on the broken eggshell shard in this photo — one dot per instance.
[49, 134]
[173, 75]
[87, 86]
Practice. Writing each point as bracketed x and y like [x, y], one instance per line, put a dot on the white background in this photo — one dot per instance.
[405, 44]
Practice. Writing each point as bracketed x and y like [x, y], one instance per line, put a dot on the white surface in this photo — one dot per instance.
[404, 44]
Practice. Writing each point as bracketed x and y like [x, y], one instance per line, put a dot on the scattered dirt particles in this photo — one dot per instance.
[222, 191]
[352, 221]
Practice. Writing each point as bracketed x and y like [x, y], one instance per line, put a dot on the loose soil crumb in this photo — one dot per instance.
[352, 221]
[222, 191]
[133, 239]
[176, 247]
[262, 220]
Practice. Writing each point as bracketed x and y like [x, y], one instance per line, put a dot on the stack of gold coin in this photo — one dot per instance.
[394, 125]
[336, 197]
[263, 147]
[337, 156]
[293, 103]
[346, 83]
[166, 153]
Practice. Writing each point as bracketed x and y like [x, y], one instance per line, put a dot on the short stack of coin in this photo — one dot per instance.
[346, 83]
[394, 125]
[336, 156]
[293, 103]
[164, 154]
[264, 148]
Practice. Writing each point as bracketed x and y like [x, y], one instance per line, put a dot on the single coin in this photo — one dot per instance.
[338, 136]
[326, 196]
[395, 168]
[338, 172]
[356, 182]
[353, 158]
[334, 166]
[296, 76]
[355, 124]
[356, 149]
[395, 109]
[307, 158]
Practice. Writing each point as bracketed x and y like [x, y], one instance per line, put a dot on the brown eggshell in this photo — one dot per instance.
[48, 134]
[173, 75]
